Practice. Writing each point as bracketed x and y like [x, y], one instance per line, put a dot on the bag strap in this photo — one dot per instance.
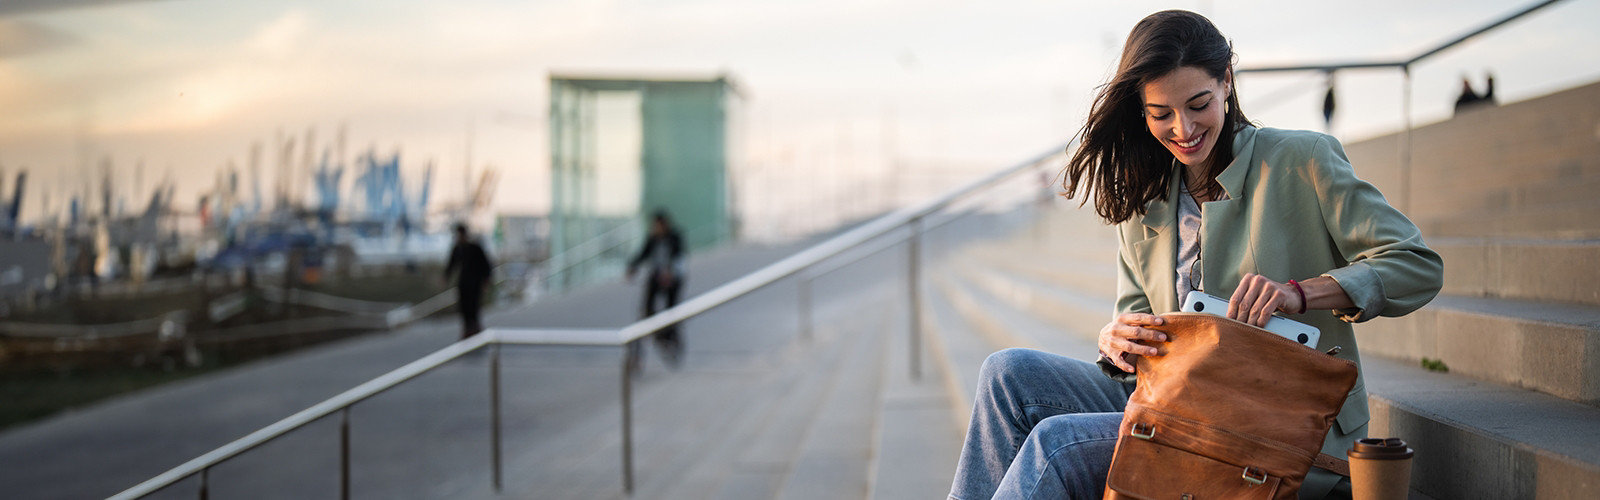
[1332, 464]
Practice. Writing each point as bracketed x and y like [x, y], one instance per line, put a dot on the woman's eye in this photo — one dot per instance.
[1201, 107]
[1160, 117]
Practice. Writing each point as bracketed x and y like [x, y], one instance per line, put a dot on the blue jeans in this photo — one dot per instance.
[1043, 426]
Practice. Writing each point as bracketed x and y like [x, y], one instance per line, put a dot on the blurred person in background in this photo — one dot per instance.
[472, 268]
[663, 252]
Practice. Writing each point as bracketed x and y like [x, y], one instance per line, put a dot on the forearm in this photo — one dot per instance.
[1323, 292]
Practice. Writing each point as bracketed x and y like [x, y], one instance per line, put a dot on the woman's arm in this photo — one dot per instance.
[1120, 341]
[1257, 297]
[1391, 271]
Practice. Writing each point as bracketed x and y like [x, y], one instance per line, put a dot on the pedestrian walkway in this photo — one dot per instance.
[756, 411]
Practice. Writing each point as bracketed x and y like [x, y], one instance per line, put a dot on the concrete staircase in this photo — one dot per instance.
[1502, 194]
[833, 416]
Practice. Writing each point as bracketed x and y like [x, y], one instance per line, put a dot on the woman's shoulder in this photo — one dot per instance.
[1289, 141]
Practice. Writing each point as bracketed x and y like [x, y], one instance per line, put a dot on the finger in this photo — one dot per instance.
[1244, 302]
[1238, 296]
[1121, 363]
[1132, 347]
[1141, 319]
[1268, 304]
[1145, 334]
[1126, 365]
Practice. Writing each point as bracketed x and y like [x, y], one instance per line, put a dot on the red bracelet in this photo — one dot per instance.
[1303, 302]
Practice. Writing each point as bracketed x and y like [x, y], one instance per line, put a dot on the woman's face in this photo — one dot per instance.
[1184, 111]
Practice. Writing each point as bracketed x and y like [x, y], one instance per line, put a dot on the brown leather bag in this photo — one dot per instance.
[1227, 410]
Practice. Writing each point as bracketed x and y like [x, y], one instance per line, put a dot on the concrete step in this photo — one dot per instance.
[1550, 138]
[1526, 269]
[956, 349]
[1087, 268]
[1571, 181]
[1544, 346]
[1508, 442]
[1479, 439]
[918, 435]
[1000, 317]
[1074, 312]
[834, 457]
[1553, 347]
[1566, 221]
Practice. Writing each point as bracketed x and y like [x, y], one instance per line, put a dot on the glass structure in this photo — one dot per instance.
[622, 148]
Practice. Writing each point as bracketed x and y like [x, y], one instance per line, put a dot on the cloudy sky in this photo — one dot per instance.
[833, 88]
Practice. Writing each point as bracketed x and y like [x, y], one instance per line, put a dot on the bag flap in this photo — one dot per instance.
[1145, 469]
[1215, 370]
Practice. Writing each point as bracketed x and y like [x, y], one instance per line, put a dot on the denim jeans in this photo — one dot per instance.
[1043, 426]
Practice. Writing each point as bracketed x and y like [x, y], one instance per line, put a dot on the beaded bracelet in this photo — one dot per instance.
[1304, 304]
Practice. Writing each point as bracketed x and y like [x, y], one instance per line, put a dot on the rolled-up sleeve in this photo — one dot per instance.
[1391, 272]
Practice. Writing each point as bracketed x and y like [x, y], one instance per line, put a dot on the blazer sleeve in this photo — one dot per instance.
[1391, 272]
[1130, 298]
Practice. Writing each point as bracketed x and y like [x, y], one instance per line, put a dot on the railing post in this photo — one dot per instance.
[627, 419]
[914, 293]
[344, 453]
[205, 483]
[805, 308]
[1405, 158]
[494, 413]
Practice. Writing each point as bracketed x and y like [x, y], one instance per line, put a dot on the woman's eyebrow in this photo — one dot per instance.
[1202, 93]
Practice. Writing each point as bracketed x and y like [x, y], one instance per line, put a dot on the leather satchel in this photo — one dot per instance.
[1227, 410]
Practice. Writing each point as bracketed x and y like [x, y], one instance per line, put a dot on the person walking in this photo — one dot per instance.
[471, 267]
[664, 253]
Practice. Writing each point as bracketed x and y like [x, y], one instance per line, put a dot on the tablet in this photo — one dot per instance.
[1302, 333]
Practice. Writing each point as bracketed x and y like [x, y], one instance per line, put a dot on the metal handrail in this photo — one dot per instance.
[563, 263]
[1405, 69]
[851, 245]
[908, 216]
[364, 391]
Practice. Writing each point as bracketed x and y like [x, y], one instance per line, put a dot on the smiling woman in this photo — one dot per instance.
[1282, 222]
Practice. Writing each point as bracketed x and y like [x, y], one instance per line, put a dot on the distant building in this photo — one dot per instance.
[621, 148]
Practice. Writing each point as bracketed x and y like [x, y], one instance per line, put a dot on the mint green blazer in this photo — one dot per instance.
[1295, 210]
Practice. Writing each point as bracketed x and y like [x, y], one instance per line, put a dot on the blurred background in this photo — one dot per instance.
[186, 185]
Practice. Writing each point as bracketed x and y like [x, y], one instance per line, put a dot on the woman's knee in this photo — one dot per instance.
[1082, 439]
[1008, 361]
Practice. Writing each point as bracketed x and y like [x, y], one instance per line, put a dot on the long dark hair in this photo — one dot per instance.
[1117, 159]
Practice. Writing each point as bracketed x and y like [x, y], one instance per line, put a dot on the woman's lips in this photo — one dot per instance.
[1193, 145]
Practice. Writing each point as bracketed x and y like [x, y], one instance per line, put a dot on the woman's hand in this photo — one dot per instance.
[1123, 335]
[1257, 297]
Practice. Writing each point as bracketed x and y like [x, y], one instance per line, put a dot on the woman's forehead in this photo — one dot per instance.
[1179, 86]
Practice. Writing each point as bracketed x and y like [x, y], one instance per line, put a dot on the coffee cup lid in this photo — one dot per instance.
[1381, 449]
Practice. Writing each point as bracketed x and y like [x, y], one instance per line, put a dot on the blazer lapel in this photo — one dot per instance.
[1221, 240]
[1160, 252]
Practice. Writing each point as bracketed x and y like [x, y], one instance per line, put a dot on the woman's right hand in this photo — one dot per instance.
[1124, 335]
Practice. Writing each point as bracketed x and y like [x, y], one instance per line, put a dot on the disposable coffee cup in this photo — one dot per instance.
[1380, 469]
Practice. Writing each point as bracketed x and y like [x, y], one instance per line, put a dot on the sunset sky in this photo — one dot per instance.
[833, 88]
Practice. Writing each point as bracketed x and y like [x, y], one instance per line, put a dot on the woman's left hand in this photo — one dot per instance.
[1257, 297]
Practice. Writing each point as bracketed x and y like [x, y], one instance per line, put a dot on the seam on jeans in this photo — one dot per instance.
[1050, 462]
[1067, 408]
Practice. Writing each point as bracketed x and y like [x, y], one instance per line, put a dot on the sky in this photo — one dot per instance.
[837, 94]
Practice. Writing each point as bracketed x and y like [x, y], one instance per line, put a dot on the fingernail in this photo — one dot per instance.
[1162, 338]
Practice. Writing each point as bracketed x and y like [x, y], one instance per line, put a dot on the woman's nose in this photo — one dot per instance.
[1183, 125]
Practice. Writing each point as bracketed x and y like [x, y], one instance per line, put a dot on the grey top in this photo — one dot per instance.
[1188, 242]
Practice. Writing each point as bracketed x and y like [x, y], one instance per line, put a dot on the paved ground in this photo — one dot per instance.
[560, 407]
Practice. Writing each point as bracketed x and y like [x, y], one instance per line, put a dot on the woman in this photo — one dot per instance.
[1273, 220]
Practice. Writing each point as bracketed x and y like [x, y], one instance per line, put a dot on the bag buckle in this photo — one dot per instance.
[1254, 476]
[1143, 431]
